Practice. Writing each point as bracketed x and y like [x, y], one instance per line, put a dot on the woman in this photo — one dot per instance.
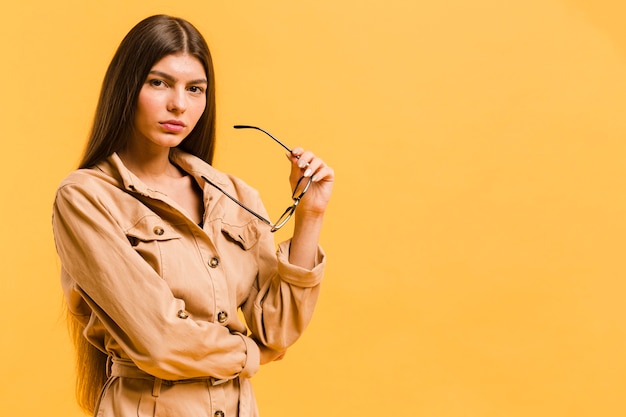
[157, 259]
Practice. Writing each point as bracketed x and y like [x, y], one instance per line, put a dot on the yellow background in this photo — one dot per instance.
[476, 237]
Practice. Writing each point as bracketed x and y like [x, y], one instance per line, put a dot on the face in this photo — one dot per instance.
[171, 101]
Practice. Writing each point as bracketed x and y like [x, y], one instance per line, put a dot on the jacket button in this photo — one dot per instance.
[219, 413]
[158, 230]
[182, 314]
[222, 316]
[214, 262]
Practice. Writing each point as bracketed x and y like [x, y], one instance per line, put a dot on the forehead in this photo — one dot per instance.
[181, 65]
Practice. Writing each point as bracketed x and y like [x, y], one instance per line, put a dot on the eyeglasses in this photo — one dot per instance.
[302, 186]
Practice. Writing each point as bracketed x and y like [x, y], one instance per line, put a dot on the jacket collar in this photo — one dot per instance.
[196, 167]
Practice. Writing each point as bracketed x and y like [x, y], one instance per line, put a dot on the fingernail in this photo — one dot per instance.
[307, 172]
[302, 163]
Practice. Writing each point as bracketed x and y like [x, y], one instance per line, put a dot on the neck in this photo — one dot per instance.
[151, 166]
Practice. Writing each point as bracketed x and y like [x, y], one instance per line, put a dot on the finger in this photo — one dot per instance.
[325, 173]
[304, 159]
[297, 151]
[295, 155]
[309, 165]
[313, 167]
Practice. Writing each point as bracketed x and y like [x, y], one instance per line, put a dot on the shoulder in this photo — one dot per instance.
[88, 179]
[90, 186]
[98, 195]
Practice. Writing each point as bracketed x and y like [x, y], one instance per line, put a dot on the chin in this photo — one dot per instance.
[170, 142]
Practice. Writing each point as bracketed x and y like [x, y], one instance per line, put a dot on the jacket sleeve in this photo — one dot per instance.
[283, 297]
[134, 304]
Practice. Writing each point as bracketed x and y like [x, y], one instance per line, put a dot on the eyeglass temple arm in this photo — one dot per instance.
[264, 131]
[258, 216]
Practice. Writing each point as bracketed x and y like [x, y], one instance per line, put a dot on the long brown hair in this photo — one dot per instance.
[148, 42]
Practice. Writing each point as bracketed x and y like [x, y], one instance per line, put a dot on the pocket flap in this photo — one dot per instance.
[152, 228]
[245, 236]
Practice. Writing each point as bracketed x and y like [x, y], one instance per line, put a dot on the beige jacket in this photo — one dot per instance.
[158, 292]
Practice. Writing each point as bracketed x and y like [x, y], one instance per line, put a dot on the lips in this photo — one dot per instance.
[173, 125]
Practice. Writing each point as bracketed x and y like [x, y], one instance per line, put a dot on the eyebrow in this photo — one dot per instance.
[172, 79]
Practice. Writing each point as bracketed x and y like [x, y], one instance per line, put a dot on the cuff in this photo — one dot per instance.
[253, 358]
[297, 275]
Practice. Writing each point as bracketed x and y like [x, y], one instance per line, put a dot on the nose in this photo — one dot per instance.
[177, 101]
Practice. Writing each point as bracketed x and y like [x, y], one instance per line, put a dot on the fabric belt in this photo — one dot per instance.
[127, 369]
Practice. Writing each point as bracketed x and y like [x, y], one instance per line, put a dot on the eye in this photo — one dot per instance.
[155, 82]
[196, 89]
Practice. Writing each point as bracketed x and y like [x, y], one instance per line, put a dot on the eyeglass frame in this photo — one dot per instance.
[296, 195]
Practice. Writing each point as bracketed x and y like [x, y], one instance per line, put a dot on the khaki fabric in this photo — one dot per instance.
[157, 290]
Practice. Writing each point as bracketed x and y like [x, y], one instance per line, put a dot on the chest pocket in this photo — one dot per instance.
[245, 236]
[154, 239]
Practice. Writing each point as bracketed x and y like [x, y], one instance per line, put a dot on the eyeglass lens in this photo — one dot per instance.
[300, 189]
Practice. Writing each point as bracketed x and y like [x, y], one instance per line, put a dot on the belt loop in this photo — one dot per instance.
[156, 388]
[109, 366]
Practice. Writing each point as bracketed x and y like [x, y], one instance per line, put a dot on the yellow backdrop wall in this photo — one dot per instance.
[476, 238]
